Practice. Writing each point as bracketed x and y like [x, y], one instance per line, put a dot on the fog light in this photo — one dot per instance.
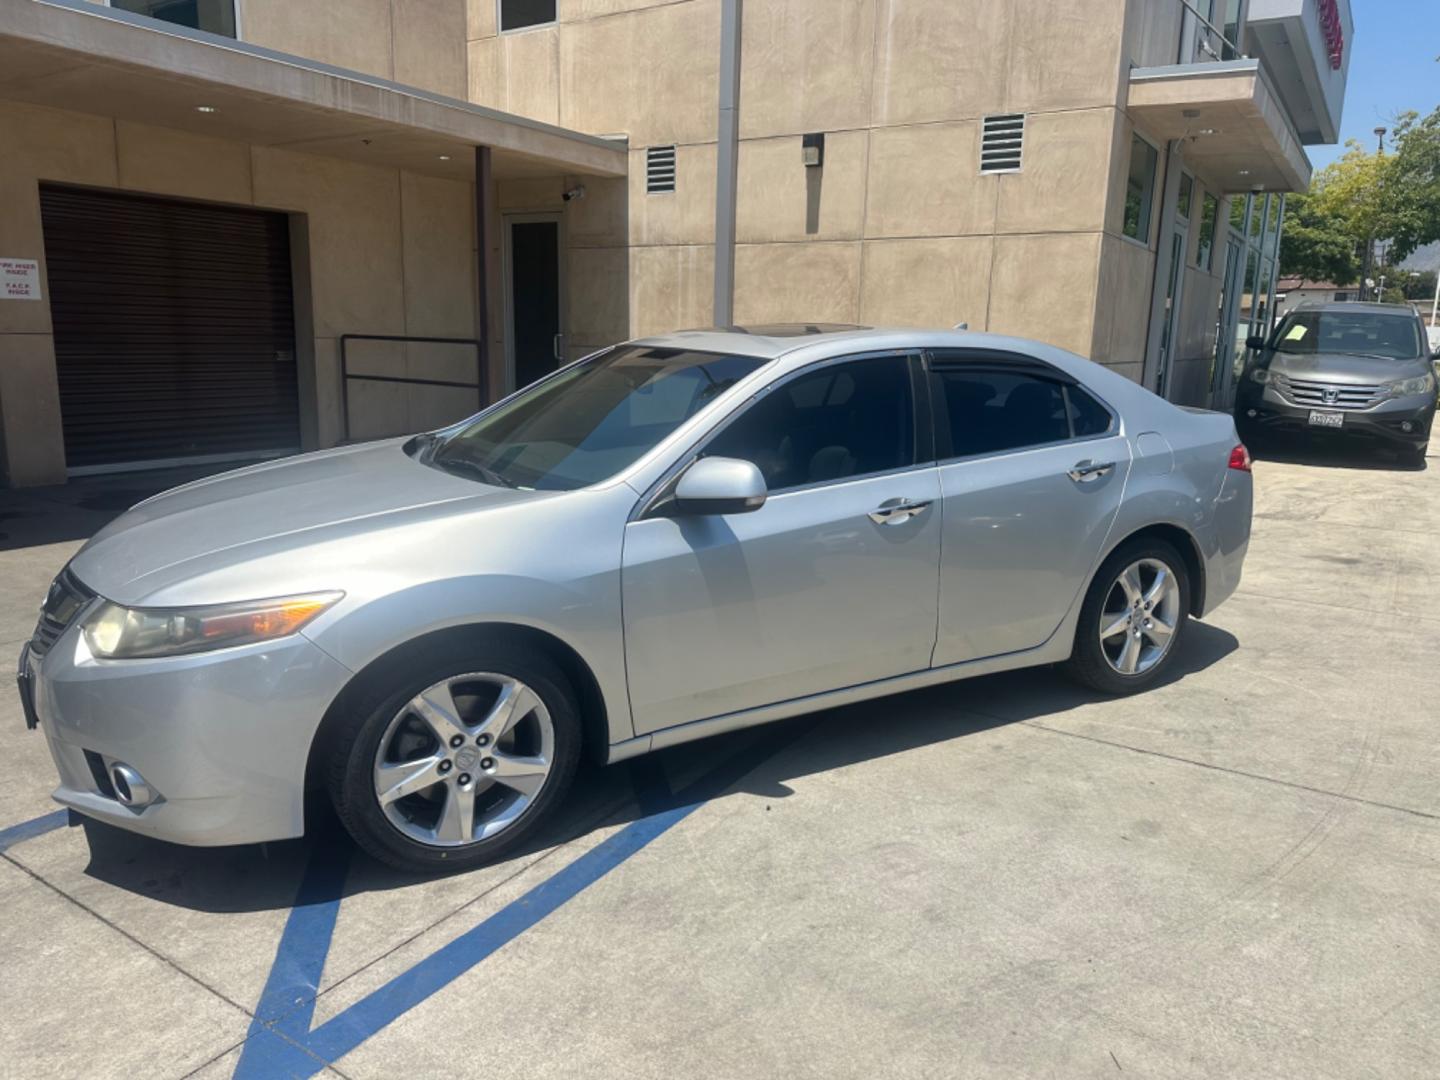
[1406, 425]
[1251, 413]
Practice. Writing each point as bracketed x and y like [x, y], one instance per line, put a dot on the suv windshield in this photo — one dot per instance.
[1358, 333]
[591, 420]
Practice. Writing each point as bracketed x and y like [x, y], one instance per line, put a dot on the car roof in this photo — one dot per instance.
[1356, 305]
[773, 341]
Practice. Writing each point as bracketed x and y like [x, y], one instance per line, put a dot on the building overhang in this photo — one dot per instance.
[1236, 133]
[1305, 47]
[70, 54]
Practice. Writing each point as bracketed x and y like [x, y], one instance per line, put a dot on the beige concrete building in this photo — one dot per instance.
[232, 228]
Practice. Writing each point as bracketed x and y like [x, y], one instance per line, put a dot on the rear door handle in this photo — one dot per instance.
[1082, 472]
[897, 511]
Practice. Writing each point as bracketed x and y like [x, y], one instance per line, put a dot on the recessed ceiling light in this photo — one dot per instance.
[206, 108]
[444, 157]
[1206, 131]
[1244, 172]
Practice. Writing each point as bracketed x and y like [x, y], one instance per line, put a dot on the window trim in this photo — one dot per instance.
[655, 500]
[999, 361]
[500, 21]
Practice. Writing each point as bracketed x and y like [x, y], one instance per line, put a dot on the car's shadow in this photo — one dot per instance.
[1328, 454]
[757, 761]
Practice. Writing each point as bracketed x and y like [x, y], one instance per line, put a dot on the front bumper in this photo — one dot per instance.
[1384, 422]
[221, 737]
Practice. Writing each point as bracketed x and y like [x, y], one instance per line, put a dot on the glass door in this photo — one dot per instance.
[1222, 384]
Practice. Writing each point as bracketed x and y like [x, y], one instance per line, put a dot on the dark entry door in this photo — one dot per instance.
[174, 328]
[534, 250]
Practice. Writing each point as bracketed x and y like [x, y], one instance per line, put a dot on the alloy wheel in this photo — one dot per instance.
[463, 759]
[1139, 617]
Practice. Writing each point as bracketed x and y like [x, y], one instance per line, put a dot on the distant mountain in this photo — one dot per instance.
[1425, 258]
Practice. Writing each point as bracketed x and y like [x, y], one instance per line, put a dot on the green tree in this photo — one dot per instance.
[1317, 243]
[1419, 287]
[1412, 184]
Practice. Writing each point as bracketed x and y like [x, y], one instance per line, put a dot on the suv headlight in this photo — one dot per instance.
[1421, 384]
[1261, 375]
[120, 633]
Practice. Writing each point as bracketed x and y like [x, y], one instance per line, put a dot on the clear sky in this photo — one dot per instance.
[1392, 68]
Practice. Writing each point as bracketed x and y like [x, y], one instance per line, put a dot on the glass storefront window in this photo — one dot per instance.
[1257, 216]
[1233, 29]
[1246, 313]
[215, 16]
[1186, 192]
[1204, 250]
[1237, 211]
[1140, 189]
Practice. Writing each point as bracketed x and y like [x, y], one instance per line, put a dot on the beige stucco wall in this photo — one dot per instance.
[898, 227]
[381, 251]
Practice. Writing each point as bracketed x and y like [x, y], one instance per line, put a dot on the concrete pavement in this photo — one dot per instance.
[1233, 875]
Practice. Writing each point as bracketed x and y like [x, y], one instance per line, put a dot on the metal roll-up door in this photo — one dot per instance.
[174, 328]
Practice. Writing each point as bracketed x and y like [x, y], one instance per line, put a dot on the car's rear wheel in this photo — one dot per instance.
[448, 762]
[1132, 619]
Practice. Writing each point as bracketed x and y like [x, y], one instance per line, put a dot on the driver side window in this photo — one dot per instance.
[834, 423]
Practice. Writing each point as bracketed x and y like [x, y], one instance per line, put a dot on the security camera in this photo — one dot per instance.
[577, 192]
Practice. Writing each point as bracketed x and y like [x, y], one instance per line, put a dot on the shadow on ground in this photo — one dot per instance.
[266, 877]
[1331, 453]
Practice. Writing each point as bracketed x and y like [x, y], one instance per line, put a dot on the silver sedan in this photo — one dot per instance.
[673, 538]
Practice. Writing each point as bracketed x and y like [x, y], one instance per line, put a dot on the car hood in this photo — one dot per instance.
[294, 502]
[1344, 368]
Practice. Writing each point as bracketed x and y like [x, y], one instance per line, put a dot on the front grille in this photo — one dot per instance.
[66, 598]
[1323, 395]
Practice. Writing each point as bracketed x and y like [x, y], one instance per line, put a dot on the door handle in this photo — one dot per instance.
[557, 347]
[1082, 472]
[897, 511]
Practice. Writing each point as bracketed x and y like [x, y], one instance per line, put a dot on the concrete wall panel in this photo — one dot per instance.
[781, 199]
[939, 61]
[925, 181]
[1043, 286]
[672, 288]
[1122, 299]
[439, 261]
[810, 282]
[926, 283]
[175, 163]
[1063, 184]
[684, 216]
[356, 34]
[34, 444]
[1063, 56]
[598, 296]
[806, 66]
[429, 49]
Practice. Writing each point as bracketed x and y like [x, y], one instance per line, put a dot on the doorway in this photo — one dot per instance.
[534, 298]
[1222, 378]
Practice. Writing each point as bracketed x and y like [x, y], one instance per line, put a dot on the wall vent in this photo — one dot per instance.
[659, 169]
[1001, 141]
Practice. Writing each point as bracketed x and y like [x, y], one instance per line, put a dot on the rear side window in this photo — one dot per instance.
[988, 411]
[839, 421]
[1087, 416]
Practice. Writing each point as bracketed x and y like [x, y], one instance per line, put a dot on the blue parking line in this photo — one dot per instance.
[28, 830]
[284, 1049]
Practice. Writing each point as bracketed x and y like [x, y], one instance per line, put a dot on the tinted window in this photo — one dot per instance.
[591, 420]
[840, 421]
[989, 411]
[216, 16]
[1139, 189]
[1087, 416]
[1362, 333]
[518, 14]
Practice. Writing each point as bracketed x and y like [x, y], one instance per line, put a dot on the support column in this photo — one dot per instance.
[727, 161]
[484, 277]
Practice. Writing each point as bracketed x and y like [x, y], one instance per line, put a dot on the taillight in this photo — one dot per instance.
[1240, 458]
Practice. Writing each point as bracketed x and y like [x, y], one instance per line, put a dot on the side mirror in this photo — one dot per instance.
[1254, 341]
[720, 485]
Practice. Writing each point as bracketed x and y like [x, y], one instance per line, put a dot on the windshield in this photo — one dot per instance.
[590, 421]
[1358, 333]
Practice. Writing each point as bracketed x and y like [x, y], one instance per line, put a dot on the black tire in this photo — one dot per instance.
[352, 746]
[1088, 663]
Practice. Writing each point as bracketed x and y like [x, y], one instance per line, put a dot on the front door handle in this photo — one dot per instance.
[1082, 472]
[557, 347]
[897, 511]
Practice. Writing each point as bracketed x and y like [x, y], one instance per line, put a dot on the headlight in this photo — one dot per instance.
[1261, 375]
[121, 633]
[1421, 384]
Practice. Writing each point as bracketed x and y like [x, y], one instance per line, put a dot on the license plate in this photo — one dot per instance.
[25, 682]
[1327, 419]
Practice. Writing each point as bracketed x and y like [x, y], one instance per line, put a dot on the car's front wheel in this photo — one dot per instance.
[1132, 618]
[448, 762]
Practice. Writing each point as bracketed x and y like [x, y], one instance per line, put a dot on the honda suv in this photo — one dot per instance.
[1357, 370]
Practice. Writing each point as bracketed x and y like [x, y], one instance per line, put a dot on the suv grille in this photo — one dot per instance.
[66, 598]
[1328, 395]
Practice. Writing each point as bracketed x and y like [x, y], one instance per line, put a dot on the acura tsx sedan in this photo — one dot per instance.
[672, 538]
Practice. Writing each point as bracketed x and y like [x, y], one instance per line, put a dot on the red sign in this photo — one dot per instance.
[1334, 31]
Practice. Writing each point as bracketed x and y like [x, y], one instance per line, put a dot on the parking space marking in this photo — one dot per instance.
[28, 830]
[285, 1047]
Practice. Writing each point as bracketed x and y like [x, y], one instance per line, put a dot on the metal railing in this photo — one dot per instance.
[1201, 40]
[479, 385]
